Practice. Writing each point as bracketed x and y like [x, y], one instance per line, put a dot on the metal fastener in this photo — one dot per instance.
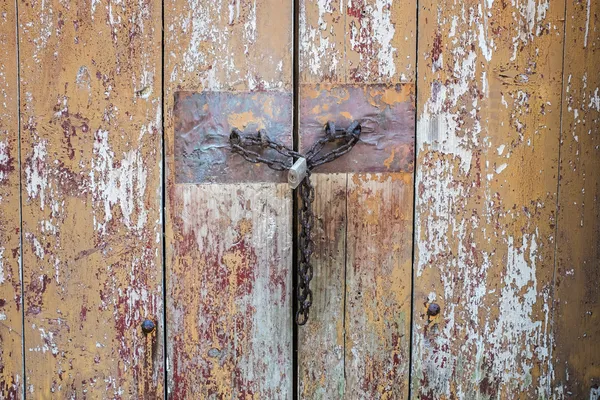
[148, 326]
[433, 309]
[297, 173]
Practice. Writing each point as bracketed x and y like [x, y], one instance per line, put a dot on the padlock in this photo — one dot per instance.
[297, 173]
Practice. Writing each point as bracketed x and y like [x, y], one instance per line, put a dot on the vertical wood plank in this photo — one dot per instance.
[577, 320]
[358, 41]
[487, 134]
[378, 285]
[229, 247]
[11, 318]
[230, 289]
[322, 339]
[91, 149]
[356, 342]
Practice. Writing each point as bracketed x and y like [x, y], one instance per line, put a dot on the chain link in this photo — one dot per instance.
[348, 137]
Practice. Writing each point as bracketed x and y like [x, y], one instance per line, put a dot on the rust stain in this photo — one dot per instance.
[243, 119]
[203, 122]
[232, 274]
[228, 245]
[386, 114]
[357, 61]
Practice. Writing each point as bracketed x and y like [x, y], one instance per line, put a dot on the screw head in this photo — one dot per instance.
[433, 309]
[148, 326]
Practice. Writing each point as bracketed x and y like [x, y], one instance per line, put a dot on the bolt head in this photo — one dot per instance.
[433, 309]
[148, 326]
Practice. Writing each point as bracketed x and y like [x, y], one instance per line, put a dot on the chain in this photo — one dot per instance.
[346, 139]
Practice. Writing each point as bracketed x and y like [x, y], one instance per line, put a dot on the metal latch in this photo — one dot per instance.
[297, 173]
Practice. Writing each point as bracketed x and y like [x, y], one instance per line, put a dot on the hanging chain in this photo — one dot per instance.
[346, 139]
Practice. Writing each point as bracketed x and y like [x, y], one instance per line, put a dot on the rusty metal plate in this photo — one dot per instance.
[386, 112]
[203, 122]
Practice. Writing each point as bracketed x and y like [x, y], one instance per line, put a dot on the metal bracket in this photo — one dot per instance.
[297, 173]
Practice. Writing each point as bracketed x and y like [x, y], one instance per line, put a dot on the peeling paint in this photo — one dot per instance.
[356, 41]
[354, 52]
[91, 148]
[577, 294]
[229, 326]
[11, 345]
[124, 185]
[485, 246]
[237, 343]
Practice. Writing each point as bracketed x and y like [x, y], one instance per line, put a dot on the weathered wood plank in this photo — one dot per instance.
[378, 285]
[229, 250]
[230, 321]
[11, 318]
[356, 342]
[487, 134]
[577, 320]
[91, 149]
[359, 41]
[322, 340]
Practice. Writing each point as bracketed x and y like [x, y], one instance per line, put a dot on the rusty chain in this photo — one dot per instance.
[243, 145]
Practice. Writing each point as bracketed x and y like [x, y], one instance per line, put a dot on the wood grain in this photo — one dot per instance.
[11, 318]
[577, 320]
[230, 322]
[359, 41]
[488, 123]
[356, 343]
[378, 285]
[91, 149]
[321, 341]
[229, 254]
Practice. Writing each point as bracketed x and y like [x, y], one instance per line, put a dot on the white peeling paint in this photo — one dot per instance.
[124, 185]
[2, 277]
[473, 342]
[315, 43]
[587, 24]
[5, 160]
[384, 35]
[212, 55]
[517, 322]
[595, 101]
[36, 173]
[530, 21]
[439, 129]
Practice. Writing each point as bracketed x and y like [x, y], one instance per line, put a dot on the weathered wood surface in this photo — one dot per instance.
[230, 324]
[322, 340]
[356, 343]
[378, 285]
[488, 124]
[577, 318]
[229, 247]
[11, 318]
[91, 151]
[359, 41]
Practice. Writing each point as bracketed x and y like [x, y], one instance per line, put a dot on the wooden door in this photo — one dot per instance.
[229, 229]
[11, 317]
[488, 131]
[357, 61]
[90, 167]
[456, 247]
